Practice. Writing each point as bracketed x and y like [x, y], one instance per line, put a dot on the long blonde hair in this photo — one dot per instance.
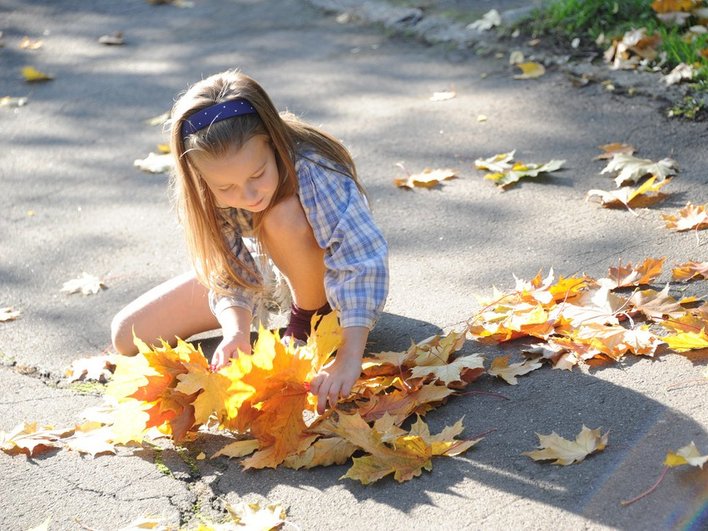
[213, 261]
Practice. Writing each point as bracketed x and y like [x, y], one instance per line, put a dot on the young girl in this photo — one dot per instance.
[244, 171]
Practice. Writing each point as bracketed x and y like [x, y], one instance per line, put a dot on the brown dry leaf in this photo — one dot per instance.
[501, 368]
[567, 452]
[323, 452]
[689, 271]
[634, 47]
[631, 197]
[689, 217]
[428, 178]
[8, 314]
[656, 304]
[530, 70]
[688, 455]
[627, 275]
[32, 75]
[26, 438]
[98, 368]
[610, 150]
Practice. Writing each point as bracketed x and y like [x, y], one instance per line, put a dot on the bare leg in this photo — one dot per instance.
[288, 237]
[178, 307]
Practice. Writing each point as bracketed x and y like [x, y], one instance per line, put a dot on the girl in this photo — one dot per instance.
[243, 170]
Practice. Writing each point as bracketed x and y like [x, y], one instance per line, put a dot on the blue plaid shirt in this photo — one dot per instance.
[356, 253]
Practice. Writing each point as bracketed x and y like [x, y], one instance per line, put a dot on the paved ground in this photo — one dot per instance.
[68, 158]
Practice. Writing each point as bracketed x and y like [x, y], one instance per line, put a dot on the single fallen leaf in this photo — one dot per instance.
[155, 163]
[688, 218]
[256, 517]
[516, 57]
[98, 368]
[482, 118]
[28, 439]
[679, 73]
[32, 75]
[685, 341]
[201, 456]
[631, 168]
[323, 452]
[160, 119]
[449, 372]
[566, 452]
[530, 70]
[443, 95]
[501, 368]
[609, 150]
[163, 148]
[428, 178]
[496, 163]
[634, 47]
[8, 314]
[44, 526]
[689, 271]
[86, 284]
[688, 455]
[7, 101]
[28, 44]
[114, 39]
[631, 197]
[489, 20]
[627, 275]
[656, 304]
[238, 448]
[92, 438]
[520, 170]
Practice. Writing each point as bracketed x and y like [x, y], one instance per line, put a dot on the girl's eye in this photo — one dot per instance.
[224, 189]
[257, 176]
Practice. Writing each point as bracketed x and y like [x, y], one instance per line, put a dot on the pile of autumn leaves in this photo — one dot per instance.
[264, 398]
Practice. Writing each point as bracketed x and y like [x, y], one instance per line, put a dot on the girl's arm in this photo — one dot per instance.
[236, 327]
[335, 381]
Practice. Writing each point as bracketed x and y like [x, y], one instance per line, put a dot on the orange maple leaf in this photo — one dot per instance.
[672, 6]
[690, 271]
[628, 275]
[689, 217]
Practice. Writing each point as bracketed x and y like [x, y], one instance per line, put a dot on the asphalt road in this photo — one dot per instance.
[72, 201]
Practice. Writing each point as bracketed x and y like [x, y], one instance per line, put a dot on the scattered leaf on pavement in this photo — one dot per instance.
[7, 101]
[27, 438]
[28, 44]
[113, 39]
[679, 73]
[566, 452]
[690, 271]
[98, 368]
[155, 163]
[86, 284]
[685, 341]
[428, 178]
[488, 21]
[443, 95]
[496, 163]
[520, 170]
[256, 517]
[530, 70]
[609, 150]
[8, 314]
[32, 75]
[501, 368]
[688, 455]
[688, 218]
[631, 168]
[628, 275]
[631, 197]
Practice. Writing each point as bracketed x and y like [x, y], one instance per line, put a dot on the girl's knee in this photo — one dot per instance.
[122, 334]
[287, 220]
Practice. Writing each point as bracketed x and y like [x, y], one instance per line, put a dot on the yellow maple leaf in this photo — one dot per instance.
[632, 197]
[566, 452]
[325, 451]
[530, 70]
[238, 448]
[671, 6]
[449, 372]
[685, 341]
[688, 455]
[501, 368]
[32, 75]
[690, 270]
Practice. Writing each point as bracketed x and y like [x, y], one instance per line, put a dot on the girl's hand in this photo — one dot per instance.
[229, 348]
[335, 381]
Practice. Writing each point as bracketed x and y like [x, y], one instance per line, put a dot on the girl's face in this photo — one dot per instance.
[246, 178]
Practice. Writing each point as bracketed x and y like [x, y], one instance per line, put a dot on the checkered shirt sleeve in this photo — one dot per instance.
[356, 253]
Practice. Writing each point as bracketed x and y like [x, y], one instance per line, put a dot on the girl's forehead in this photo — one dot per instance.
[237, 163]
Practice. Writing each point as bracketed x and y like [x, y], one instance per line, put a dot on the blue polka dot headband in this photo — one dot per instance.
[215, 113]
